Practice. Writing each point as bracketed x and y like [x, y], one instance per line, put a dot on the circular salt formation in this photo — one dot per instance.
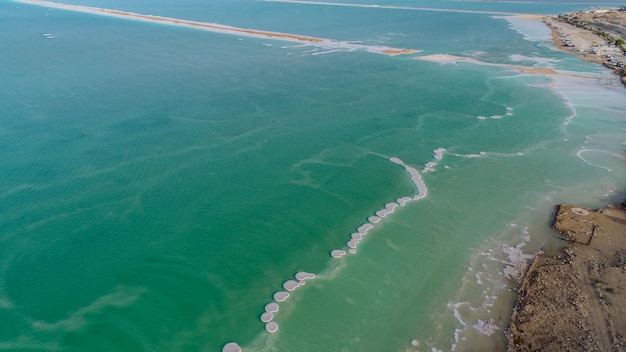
[337, 253]
[580, 211]
[382, 213]
[373, 219]
[231, 347]
[415, 343]
[396, 161]
[391, 207]
[356, 236]
[352, 251]
[281, 296]
[271, 327]
[267, 317]
[352, 244]
[271, 307]
[290, 285]
[302, 275]
[364, 228]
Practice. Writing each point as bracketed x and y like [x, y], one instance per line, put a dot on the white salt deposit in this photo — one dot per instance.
[271, 307]
[580, 211]
[291, 285]
[267, 317]
[364, 228]
[281, 296]
[231, 347]
[302, 275]
[382, 213]
[439, 153]
[356, 236]
[337, 253]
[271, 327]
[373, 219]
[352, 251]
[402, 201]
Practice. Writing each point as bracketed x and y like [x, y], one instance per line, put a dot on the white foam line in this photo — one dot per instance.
[435, 9]
[568, 103]
[579, 154]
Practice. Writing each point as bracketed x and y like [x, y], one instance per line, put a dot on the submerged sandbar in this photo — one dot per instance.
[451, 59]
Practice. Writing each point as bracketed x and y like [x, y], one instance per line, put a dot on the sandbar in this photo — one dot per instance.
[220, 28]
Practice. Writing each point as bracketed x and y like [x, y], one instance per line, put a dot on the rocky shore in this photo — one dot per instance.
[575, 299]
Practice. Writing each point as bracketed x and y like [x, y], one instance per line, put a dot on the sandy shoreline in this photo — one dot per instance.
[590, 46]
[575, 299]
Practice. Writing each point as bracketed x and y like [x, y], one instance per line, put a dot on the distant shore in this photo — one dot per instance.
[587, 33]
[575, 299]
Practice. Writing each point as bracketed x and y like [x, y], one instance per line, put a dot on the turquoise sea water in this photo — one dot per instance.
[159, 184]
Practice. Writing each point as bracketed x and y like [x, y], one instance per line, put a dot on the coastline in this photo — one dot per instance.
[591, 46]
[574, 299]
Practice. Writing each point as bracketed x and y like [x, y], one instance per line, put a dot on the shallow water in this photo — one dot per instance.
[159, 184]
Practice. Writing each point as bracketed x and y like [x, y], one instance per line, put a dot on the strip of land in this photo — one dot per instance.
[327, 43]
[575, 299]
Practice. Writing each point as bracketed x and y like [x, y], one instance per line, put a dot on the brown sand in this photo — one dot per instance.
[391, 51]
[575, 300]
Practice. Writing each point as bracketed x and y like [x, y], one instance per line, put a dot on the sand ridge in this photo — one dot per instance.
[214, 27]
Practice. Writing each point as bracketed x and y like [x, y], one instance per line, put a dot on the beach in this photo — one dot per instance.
[587, 41]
